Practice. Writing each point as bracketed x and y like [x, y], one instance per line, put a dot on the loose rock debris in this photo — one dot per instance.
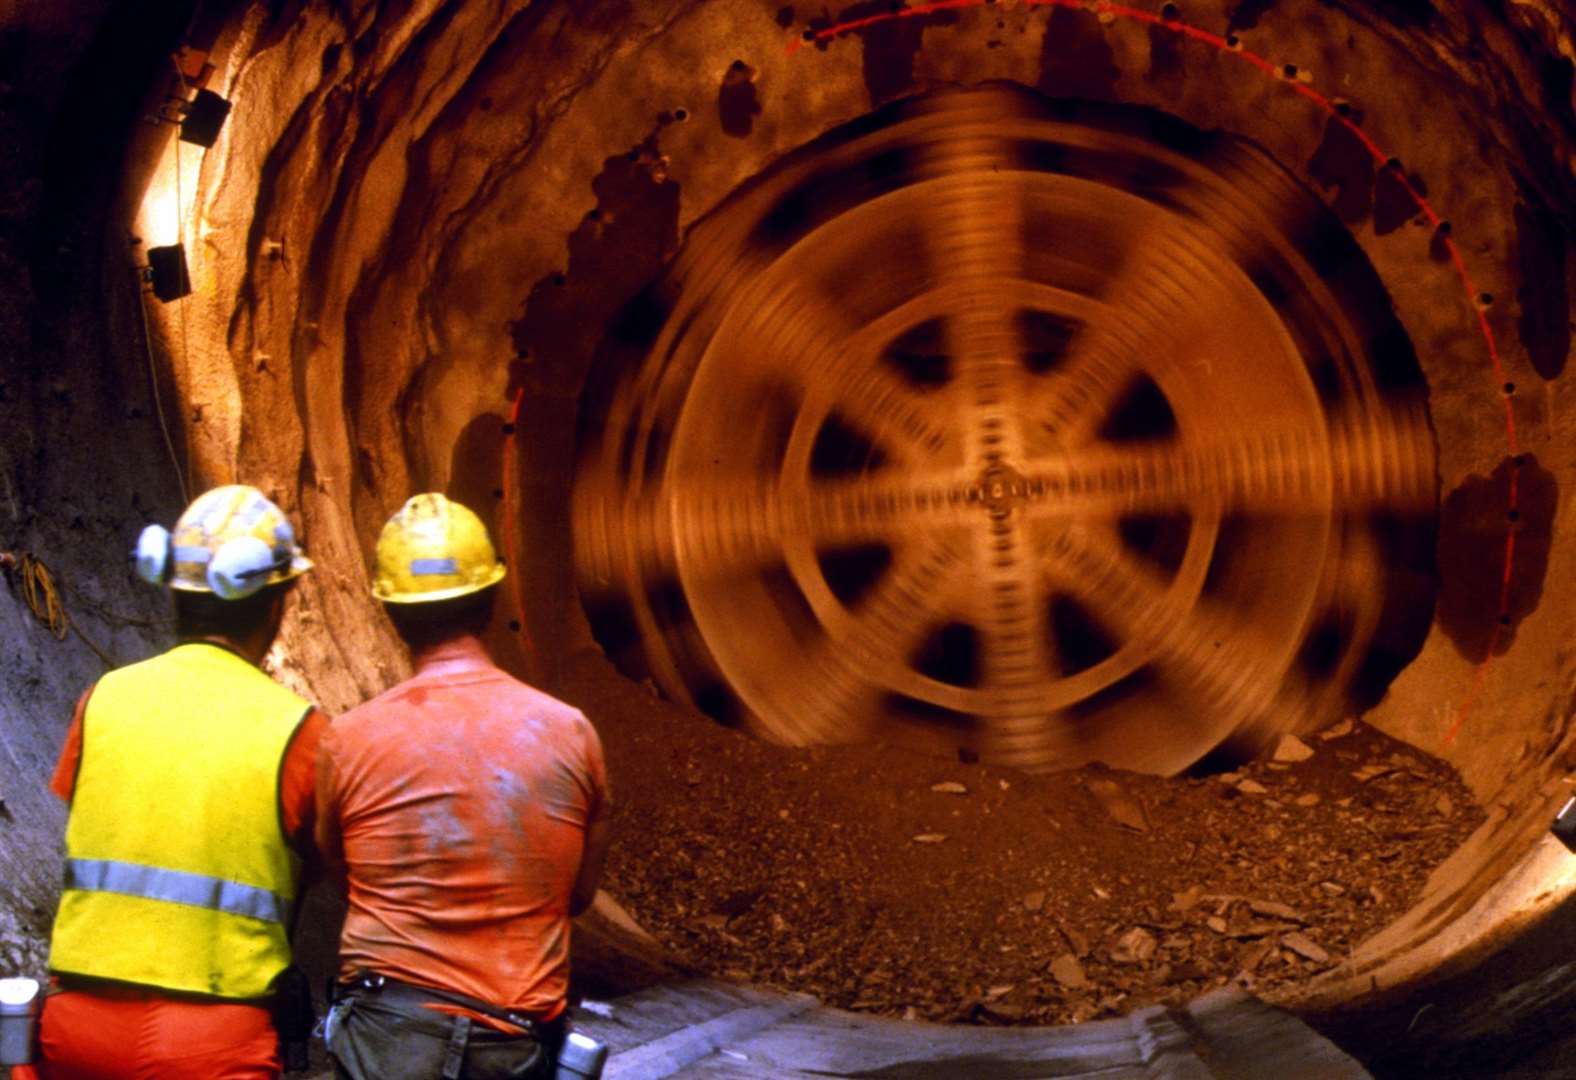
[890, 891]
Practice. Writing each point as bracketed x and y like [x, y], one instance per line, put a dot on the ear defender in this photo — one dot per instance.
[154, 564]
[240, 567]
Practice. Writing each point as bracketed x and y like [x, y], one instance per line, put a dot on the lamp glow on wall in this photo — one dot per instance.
[167, 205]
[165, 212]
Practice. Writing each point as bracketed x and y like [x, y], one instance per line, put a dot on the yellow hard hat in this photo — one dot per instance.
[433, 549]
[231, 541]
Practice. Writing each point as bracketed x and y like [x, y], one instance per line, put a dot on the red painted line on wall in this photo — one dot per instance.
[902, 13]
[511, 454]
[1177, 26]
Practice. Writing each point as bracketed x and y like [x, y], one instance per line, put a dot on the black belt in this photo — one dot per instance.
[395, 992]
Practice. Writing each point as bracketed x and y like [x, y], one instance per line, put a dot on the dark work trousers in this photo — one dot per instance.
[376, 1039]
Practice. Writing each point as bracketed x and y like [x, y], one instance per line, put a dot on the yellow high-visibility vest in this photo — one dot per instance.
[177, 870]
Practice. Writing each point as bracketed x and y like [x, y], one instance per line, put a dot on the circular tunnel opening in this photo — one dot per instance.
[700, 305]
[992, 435]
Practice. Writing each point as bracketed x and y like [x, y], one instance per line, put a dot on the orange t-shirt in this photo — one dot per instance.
[459, 801]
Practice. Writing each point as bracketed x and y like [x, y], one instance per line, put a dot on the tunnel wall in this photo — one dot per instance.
[393, 246]
[448, 190]
[83, 463]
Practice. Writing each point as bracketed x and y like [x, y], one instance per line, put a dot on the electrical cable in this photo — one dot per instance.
[158, 401]
[42, 597]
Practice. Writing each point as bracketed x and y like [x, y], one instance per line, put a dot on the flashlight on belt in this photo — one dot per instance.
[18, 1020]
[580, 1058]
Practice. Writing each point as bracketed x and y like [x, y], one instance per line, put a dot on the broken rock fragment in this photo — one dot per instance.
[1271, 909]
[1304, 946]
[1077, 941]
[1121, 806]
[1067, 971]
[1336, 731]
[1292, 749]
[1134, 947]
[1251, 956]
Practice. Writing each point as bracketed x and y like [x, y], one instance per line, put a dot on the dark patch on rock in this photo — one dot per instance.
[737, 102]
[1246, 15]
[1075, 59]
[1404, 13]
[1438, 249]
[1342, 162]
[1556, 74]
[1408, 545]
[476, 468]
[890, 45]
[1544, 291]
[785, 16]
[605, 17]
[1393, 359]
[1394, 205]
[612, 255]
[1166, 68]
[1473, 524]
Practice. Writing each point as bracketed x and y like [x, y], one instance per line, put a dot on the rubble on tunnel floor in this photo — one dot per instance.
[909, 886]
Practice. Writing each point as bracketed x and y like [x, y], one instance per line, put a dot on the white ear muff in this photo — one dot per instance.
[153, 555]
[240, 567]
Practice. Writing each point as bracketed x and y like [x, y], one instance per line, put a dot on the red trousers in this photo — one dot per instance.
[128, 1034]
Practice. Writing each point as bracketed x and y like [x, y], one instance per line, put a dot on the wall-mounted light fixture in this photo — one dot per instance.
[167, 272]
[202, 117]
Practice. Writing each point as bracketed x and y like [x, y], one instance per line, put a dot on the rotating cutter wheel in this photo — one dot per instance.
[1057, 431]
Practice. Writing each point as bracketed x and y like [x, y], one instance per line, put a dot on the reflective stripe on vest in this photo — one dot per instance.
[178, 873]
[176, 886]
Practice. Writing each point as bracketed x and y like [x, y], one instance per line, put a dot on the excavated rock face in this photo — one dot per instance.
[597, 270]
[82, 461]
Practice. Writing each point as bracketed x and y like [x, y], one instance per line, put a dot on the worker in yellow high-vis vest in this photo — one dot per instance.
[190, 782]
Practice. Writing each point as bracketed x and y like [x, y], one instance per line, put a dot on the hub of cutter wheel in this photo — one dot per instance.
[1000, 489]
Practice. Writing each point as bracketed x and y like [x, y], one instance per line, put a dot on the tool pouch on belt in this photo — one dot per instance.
[294, 1018]
[465, 1047]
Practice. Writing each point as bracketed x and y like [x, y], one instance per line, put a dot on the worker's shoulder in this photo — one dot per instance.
[540, 706]
[202, 670]
[378, 706]
[500, 693]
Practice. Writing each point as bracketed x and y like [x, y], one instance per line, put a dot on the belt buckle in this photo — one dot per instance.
[373, 981]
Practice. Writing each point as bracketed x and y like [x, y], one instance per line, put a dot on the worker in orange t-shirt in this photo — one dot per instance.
[471, 814]
[190, 782]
